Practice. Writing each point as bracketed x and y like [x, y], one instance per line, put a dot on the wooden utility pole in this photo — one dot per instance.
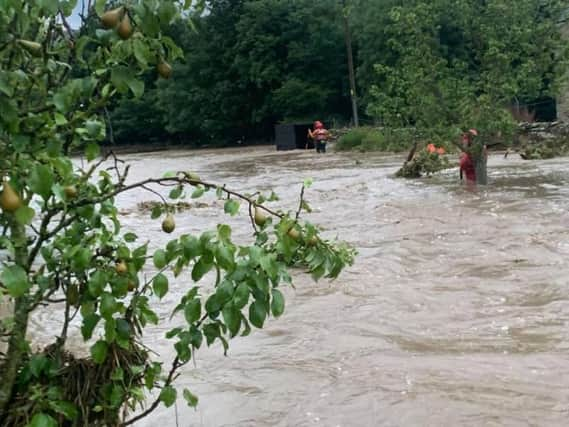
[350, 64]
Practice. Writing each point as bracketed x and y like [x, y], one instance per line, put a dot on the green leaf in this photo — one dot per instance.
[124, 78]
[168, 396]
[192, 247]
[160, 285]
[110, 330]
[62, 102]
[176, 192]
[308, 182]
[224, 257]
[182, 348]
[225, 291]
[241, 296]
[38, 364]
[257, 314]
[193, 311]
[15, 280]
[97, 283]
[123, 329]
[67, 409]
[99, 351]
[224, 232]
[42, 420]
[191, 399]
[118, 374]
[60, 119]
[108, 305]
[89, 323]
[24, 215]
[117, 396]
[5, 86]
[41, 181]
[232, 318]
[201, 268]
[198, 192]
[196, 337]
[141, 52]
[231, 207]
[159, 259]
[156, 212]
[166, 12]
[130, 237]
[212, 304]
[278, 303]
[50, 7]
[100, 6]
[92, 151]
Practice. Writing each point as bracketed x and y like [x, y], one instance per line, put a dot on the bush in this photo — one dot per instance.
[373, 139]
[352, 139]
[423, 163]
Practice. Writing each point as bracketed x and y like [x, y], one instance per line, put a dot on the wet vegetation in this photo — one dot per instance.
[202, 73]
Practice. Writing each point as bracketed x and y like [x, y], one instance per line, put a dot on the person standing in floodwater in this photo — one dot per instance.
[320, 136]
[467, 166]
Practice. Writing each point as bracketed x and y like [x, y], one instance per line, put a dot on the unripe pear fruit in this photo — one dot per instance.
[73, 294]
[168, 225]
[131, 286]
[193, 178]
[121, 267]
[9, 200]
[293, 233]
[125, 29]
[260, 217]
[33, 48]
[111, 18]
[164, 69]
[312, 241]
[70, 191]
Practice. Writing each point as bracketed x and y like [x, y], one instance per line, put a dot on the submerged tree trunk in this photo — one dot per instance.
[481, 170]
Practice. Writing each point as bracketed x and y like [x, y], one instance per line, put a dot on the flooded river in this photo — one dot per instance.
[456, 312]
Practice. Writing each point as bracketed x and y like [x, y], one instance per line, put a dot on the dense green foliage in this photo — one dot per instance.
[447, 63]
[377, 139]
[64, 249]
[436, 65]
[247, 65]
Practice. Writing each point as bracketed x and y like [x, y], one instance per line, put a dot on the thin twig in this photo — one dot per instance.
[251, 216]
[300, 203]
[66, 25]
[155, 192]
[175, 365]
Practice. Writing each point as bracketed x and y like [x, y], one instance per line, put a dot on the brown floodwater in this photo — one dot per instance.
[456, 312]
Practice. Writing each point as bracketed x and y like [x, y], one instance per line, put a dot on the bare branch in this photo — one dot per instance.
[300, 202]
[176, 364]
[66, 25]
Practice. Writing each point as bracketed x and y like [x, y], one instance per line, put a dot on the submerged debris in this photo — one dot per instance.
[424, 163]
[178, 207]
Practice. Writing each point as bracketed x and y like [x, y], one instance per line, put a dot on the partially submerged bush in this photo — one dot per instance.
[374, 139]
[424, 163]
[545, 149]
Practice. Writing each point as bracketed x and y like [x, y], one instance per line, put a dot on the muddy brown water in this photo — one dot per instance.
[455, 313]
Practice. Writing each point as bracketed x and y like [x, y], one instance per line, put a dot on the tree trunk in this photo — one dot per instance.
[481, 170]
[17, 346]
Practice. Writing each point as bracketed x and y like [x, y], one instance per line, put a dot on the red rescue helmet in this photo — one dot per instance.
[318, 124]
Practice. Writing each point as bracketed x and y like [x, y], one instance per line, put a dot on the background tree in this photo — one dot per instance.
[452, 65]
[62, 241]
[260, 62]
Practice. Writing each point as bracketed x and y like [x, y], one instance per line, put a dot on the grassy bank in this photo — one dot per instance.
[383, 140]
